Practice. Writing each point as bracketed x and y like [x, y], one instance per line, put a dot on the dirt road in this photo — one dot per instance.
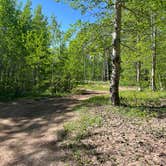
[29, 128]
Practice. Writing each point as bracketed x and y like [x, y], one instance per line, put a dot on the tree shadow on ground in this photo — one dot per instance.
[160, 112]
[159, 109]
[26, 116]
[28, 130]
[74, 152]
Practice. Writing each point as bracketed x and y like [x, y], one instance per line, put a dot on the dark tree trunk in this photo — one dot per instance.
[115, 77]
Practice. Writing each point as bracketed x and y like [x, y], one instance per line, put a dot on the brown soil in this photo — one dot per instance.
[28, 126]
[88, 94]
[123, 141]
[31, 135]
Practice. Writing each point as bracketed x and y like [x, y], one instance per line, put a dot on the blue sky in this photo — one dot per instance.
[63, 12]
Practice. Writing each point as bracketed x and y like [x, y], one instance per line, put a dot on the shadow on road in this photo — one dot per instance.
[29, 130]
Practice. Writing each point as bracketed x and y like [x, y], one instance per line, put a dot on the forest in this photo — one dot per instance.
[94, 94]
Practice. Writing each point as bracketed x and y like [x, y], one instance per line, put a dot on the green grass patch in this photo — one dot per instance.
[137, 112]
[97, 101]
[91, 102]
[103, 86]
[145, 98]
[134, 104]
[77, 91]
[32, 95]
[79, 128]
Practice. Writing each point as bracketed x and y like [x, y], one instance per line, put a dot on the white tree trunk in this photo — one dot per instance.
[138, 79]
[153, 72]
[115, 77]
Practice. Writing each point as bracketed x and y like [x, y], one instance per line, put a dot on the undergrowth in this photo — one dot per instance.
[134, 105]
[78, 129]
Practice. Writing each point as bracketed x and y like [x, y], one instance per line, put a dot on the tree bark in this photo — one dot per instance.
[153, 72]
[109, 64]
[105, 66]
[115, 77]
[138, 79]
[160, 82]
[84, 56]
[108, 60]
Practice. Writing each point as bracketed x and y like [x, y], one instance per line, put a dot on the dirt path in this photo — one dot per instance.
[28, 127]
[30, 130]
